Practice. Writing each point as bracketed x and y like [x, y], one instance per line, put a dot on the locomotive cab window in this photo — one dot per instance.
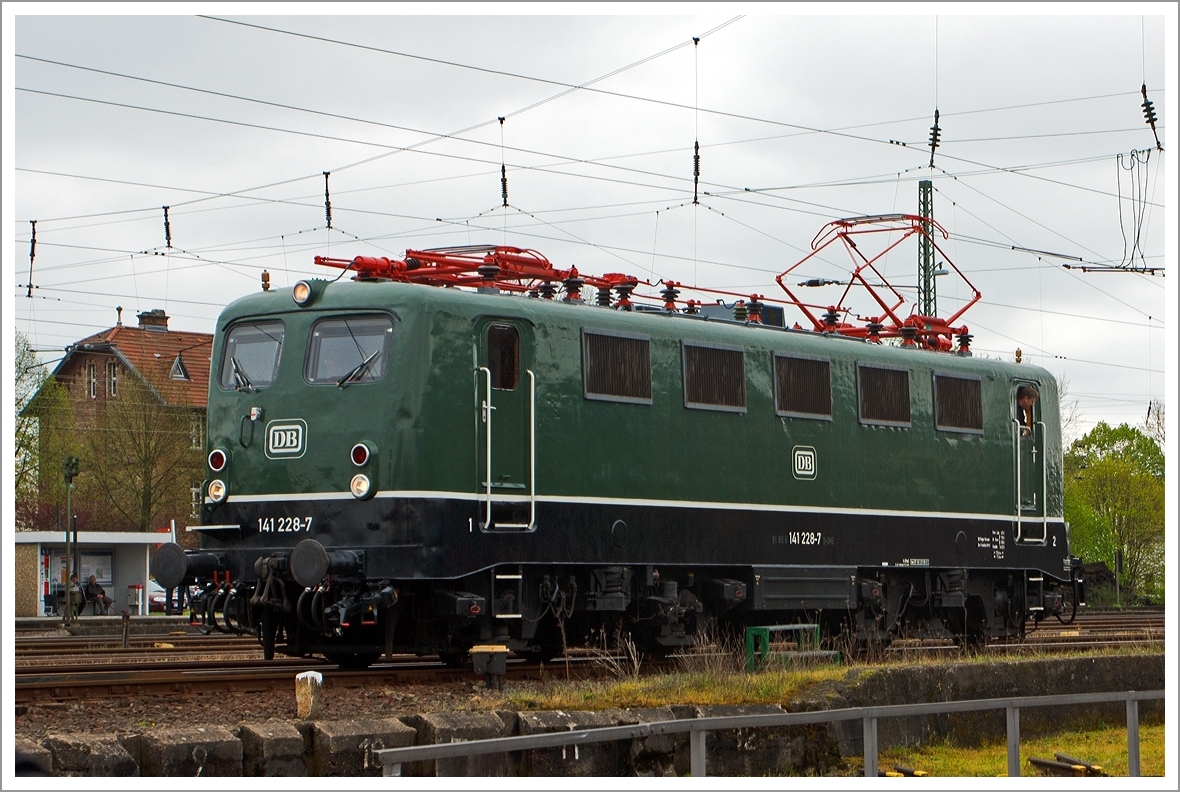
[883, 395]
[714, 377]
[504, 356]
[958, 403]
[348, 350]
[803, 386]
[251, 357]
[616, 366]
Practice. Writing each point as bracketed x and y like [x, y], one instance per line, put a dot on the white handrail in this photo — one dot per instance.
[486, 412]
[1044, 485]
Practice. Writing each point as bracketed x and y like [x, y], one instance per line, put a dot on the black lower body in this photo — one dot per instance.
[394, 575]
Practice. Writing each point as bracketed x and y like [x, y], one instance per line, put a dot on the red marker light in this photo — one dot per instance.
[217, 460]
[360, 454]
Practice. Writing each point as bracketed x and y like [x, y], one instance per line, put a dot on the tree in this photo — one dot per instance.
[30, 374]
[140, 452]
[1114, 499]
[1153, 425]
[44, 436]
[1071, 411]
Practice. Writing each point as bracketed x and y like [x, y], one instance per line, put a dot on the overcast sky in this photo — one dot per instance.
[231, 121]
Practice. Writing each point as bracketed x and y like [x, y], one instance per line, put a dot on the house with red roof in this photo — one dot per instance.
[135, 414]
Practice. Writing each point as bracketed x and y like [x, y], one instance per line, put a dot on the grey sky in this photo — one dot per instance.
[1034, 110]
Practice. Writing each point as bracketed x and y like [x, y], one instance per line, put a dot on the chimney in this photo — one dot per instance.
[119, 310]
[155, 320]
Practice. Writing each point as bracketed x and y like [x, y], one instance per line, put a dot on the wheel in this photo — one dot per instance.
[539, 653]
[355, 661]
[454, 658]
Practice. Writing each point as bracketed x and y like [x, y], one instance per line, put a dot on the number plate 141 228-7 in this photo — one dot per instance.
[283, 524]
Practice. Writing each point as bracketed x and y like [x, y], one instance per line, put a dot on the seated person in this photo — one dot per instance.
[98, 595]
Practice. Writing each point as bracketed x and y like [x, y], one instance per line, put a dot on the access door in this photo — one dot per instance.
[506, 400]
[1028, 444]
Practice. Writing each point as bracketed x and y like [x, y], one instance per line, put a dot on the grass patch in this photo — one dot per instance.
[772, 686]
[1106, 747]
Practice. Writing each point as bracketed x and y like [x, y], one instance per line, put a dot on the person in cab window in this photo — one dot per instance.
[1026, 397]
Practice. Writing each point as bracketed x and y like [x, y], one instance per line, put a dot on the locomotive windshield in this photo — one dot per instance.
[350, 349]
[252, 353]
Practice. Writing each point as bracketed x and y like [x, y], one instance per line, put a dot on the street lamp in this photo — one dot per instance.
[69, 470]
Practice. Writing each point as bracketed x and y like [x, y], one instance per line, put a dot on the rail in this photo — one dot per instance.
[393, 758]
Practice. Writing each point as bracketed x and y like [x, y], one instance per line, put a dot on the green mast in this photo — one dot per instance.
[927, 294]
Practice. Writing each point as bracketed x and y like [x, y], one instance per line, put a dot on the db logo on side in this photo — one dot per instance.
[804, 462]
[285, 438]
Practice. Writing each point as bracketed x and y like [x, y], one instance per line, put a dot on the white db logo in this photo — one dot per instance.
[284, 438]
[804, 462]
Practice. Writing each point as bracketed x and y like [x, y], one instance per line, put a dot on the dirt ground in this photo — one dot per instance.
[136, 715]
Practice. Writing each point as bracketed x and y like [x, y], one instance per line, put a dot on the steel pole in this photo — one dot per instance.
[68, 610]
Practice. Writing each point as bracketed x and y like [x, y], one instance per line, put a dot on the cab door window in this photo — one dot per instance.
[504, 357]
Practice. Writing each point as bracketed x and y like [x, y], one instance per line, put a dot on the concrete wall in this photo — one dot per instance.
[26, 594]
[347, 748]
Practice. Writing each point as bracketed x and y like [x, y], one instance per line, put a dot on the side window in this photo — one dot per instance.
[112, 379]
[958, 403]
[802, 386]
[883, 394]
[714, 377]
[616, 366]
[251, 356]
[504, 356]
[347, 350]
[91, 381]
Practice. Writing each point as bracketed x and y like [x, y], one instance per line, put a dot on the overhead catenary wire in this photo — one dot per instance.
[542, 214]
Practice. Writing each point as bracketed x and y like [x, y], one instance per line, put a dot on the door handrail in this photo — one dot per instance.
[532, 523]
[486, 410]
[1016, 425]
[486, 413]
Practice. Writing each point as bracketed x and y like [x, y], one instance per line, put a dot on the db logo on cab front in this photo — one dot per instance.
[285, 438]
[804, 459]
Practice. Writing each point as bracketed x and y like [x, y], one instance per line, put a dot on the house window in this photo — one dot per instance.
[179, 370]
[197, 433]
[112, 379]
[194, 492]
[714, 377]
[958, 403]
[884, 394]
[616, 366]
[803, 386]
[91, 381]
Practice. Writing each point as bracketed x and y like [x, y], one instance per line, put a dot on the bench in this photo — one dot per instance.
[806, 640]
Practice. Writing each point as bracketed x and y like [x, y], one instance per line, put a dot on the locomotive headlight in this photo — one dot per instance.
[360, 485]
[360, 454]
[301, 294]
[217, 490]
[217, 460]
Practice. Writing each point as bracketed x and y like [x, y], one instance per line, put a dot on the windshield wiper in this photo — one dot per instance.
[240, 378]
[359, 370]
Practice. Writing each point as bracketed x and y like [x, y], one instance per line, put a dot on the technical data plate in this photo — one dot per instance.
[804, 588]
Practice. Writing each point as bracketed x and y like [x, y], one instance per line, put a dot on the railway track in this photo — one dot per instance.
[97, 667]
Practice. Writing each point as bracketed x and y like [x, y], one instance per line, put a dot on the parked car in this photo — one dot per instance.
[156, 597]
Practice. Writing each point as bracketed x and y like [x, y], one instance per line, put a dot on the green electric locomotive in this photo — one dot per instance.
[404, 468]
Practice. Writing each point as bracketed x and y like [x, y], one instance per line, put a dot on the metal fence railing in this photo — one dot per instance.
[393, 758]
